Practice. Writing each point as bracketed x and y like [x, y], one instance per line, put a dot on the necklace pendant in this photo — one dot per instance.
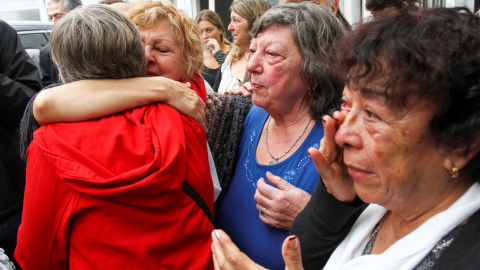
[274, 161]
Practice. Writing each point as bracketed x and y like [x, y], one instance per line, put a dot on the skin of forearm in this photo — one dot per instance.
[90, 99]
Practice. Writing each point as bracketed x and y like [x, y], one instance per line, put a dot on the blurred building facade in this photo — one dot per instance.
[353, 10]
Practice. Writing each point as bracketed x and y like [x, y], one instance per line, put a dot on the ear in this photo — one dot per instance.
[459, 157]
[335, 7]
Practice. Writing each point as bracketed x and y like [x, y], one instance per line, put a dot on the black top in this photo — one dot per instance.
[322, 225]
[19, 81]
[210, 74]
[48, 69]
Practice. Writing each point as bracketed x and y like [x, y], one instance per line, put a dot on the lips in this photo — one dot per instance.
[255, 86]
[150, 73]
[358, 173]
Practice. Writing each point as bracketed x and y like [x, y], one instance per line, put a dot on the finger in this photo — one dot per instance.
[187, 84]
[279, 182]
[262, 210]
[323, 168]
[265, 219]
[203, 125]
[218, 252]
[230, 257]
[215, 262]
[328, 147]
[246, 92]
[234, 91]
[291, 253]
[266, 191]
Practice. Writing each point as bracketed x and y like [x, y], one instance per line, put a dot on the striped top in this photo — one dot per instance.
[229, 80]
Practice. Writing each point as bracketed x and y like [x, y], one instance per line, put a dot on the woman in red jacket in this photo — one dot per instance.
[107, 193]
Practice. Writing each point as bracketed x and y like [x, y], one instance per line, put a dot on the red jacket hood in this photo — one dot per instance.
[112, 160]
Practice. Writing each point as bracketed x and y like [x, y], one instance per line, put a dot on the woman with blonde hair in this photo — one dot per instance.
[244, 14]
[216, 46]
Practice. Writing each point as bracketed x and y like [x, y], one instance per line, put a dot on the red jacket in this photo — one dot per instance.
[106, 194]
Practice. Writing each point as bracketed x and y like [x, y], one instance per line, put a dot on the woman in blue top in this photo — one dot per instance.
[292, 87]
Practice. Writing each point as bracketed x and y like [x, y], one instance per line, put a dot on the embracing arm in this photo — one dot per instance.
[90, 99]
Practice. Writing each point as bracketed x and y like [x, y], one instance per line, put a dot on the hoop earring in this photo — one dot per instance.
[310, 92]
[454, 172]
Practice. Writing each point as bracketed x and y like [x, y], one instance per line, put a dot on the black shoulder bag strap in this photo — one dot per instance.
[198, 199]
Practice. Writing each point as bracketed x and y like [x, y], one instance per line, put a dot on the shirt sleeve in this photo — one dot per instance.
[220, 56]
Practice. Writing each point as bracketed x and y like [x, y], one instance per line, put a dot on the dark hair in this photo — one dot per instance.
[431, 54]
[314, 30]
[378, 5]
[69, 4]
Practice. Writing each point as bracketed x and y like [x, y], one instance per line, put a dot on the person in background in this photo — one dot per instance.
[119, 5]
[408, 135]
[332, 4]
[216, 46]
[293, 86]
[56, 10]
[111, 193]
[233, 72]
[19, 81]
[386, 7]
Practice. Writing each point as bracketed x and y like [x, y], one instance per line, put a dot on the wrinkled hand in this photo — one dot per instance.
[245, 90]
[282, 204]
[186, 101]
[212, 45]
[227, 256]
[329, 161]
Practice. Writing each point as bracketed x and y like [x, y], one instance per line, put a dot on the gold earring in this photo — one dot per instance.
[454, 172]
[310, 92]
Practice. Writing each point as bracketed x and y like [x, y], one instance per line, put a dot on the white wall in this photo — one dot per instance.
[470, 4]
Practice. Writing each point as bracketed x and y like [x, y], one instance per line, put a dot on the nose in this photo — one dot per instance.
[149, 56]
[254, 63]
[348, 134]
[204, 35]
[230, 27]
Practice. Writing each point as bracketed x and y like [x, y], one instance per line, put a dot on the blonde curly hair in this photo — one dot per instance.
[187, 33]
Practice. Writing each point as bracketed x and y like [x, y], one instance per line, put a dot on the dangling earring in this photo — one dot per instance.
[454, 172]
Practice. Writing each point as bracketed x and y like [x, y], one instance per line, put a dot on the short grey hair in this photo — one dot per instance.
[314, 30]
[97, 42]
[69, 4]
